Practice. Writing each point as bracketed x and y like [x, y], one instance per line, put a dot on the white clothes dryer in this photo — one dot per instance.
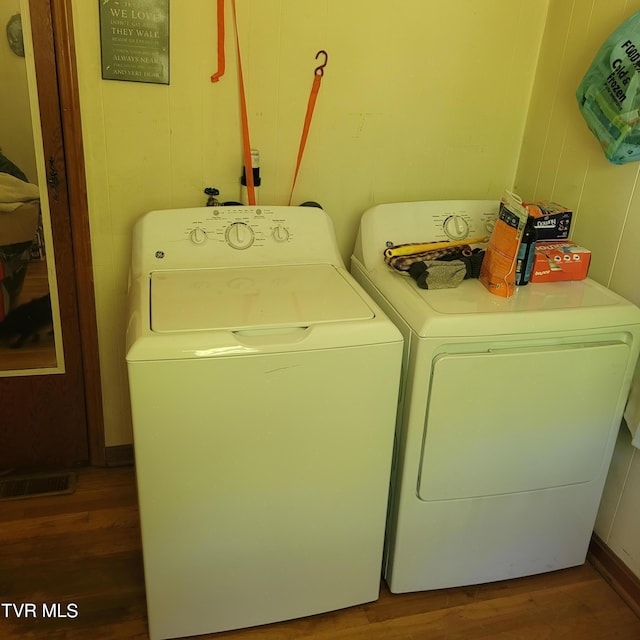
[264, 385]
[510, 409]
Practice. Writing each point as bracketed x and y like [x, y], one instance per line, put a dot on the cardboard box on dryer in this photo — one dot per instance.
[552, 220]
[555, 261]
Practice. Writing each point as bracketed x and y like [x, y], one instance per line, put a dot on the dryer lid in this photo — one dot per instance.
[470, 310]
[252, 297]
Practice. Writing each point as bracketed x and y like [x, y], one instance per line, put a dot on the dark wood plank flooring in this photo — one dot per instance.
[83, 550]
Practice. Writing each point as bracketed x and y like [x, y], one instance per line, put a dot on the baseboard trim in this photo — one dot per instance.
[119, 456]
[625, 583]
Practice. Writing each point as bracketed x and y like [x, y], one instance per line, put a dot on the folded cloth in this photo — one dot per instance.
[14, 192]
[472, 262]
[438, 274]
[403, 262]
[447, 272]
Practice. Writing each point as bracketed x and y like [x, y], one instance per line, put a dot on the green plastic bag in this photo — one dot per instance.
[609, 94]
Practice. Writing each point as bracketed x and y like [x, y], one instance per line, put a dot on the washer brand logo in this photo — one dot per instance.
[32, 610]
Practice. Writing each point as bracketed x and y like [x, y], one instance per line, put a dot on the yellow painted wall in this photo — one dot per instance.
[421, 99]
[16, 134]
[561, 160]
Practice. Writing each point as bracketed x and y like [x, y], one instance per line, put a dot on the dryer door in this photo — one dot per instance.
[514, 420]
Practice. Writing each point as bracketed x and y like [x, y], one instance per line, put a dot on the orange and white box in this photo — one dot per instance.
[554, 261]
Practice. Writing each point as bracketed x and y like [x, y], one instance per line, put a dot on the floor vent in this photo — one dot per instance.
[31, 486]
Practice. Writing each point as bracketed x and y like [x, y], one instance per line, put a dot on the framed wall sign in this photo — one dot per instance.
[134, 40]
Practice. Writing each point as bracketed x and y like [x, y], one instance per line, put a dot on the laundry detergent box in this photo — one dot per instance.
[552, 220]
[554, 261]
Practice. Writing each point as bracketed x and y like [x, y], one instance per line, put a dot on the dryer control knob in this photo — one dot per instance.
[198, 235]
[280, 233]
[456, 227]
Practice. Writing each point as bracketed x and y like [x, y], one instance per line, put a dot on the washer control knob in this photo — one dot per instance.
[280, 233]
[456, 227]
[239, 235]
[198, 235]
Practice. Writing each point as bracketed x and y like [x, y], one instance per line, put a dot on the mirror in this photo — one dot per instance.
[28, 329]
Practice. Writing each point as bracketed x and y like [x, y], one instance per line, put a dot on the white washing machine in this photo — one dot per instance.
[264, 387]
[510, 409]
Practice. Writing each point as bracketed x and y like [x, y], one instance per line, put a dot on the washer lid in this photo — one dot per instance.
[252, 297]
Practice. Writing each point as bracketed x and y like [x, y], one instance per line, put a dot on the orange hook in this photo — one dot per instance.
[319, 71]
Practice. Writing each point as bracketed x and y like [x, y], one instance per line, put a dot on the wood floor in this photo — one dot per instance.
[83, 550]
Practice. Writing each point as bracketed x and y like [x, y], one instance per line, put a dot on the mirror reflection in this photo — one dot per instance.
[26, 332]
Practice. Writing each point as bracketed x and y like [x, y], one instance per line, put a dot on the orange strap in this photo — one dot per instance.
[221, 61]
[246, 144]
[315, 88]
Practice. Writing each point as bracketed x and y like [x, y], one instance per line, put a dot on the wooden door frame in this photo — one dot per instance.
[69, 96]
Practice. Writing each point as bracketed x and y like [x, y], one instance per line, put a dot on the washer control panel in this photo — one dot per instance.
[241, 228]
[228, 236]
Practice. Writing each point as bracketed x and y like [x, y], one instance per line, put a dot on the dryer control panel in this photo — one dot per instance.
[205, 237]
[385, 225]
